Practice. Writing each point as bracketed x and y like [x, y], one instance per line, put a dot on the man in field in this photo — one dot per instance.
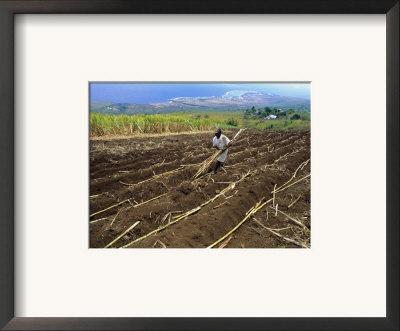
[221, 143]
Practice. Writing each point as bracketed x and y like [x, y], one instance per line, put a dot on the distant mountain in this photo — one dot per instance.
[232, 100]
[99, 104]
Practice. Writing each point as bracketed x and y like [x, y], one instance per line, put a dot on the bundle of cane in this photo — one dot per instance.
[205, 165]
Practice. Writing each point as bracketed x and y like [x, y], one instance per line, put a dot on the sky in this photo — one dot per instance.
[162, 92]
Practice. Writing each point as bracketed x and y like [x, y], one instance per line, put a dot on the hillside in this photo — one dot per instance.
[232, 100]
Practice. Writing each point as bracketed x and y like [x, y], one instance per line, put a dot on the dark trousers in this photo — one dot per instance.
[217, 166]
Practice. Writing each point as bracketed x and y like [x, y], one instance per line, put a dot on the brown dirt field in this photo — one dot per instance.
[276, 155]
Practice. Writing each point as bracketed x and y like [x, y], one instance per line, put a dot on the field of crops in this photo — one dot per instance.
[193, 121]
[143, 192]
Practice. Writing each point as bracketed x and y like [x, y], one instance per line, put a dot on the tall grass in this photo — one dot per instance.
[102, 124]
[283, 124]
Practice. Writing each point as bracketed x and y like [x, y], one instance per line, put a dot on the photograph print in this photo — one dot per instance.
[200, 165]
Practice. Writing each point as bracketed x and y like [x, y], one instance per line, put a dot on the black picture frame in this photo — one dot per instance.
[7, 11]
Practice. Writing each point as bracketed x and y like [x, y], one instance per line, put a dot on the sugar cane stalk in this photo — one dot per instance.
[120, 236]
[279, 235]
[120, 203]
[254, 210]
[162, 227]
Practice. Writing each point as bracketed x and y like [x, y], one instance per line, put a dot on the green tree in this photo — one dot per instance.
[232, 122]
[267, 110]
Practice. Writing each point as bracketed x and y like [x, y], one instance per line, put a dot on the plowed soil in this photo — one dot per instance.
[118, 166]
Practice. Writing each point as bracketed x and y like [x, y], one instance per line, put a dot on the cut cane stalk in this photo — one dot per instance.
[292, 204]
[249, 210]
[254, 210]
[293, 220]
[276, 161]
[226, 189]
[221, 204]
[190, 212]
[120, 203]
[143, 203]
[108, 208]
[162, 227]
[226, 242]
[165, 217]
[301, 166]
[297, 181]
[280, 236]
[305, 163]
[153, 177]
[161, 243]
[120, 236]
[282, 229]
[206, 164]
[100, 219]
[116, 216]
[273, 195]
[200, 178]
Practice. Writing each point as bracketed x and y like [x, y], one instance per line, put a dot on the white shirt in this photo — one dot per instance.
[221, 143]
